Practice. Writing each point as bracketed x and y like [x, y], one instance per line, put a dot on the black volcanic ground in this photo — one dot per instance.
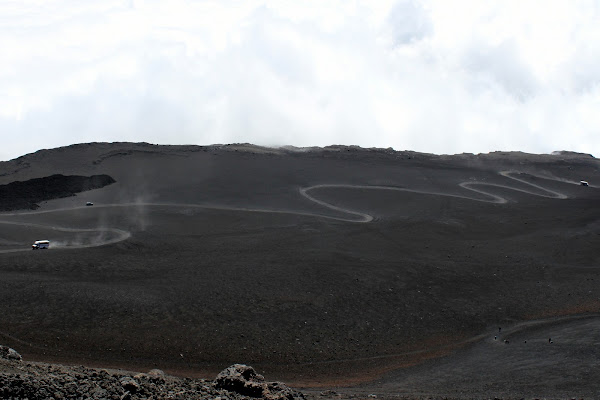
[20, 195]
[340, 266]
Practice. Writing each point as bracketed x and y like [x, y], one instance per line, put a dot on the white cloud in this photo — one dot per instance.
[430, 75]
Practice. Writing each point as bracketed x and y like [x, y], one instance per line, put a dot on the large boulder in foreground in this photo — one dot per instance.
[9, 354]
[242, 379]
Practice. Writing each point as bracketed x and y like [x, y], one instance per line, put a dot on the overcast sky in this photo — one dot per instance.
[432, 76]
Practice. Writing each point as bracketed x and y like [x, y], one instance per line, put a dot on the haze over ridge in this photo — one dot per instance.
[422, 75]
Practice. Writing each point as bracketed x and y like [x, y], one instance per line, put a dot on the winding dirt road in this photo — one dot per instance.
[468, 185]
[353, 216]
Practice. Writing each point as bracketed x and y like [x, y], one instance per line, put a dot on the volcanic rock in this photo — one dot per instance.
[41, 381]
[26, 194]
[130, 384]
[243, 379]
[9, 354]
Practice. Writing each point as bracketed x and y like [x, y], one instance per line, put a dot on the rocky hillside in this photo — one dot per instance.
[33, 381]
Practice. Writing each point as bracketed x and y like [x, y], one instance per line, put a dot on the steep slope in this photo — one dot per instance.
[318, 266]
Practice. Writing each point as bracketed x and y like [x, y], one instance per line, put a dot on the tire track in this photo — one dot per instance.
[121, 235]
[468, 185]
[352, 215]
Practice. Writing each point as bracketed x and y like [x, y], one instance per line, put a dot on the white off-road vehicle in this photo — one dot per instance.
[40, 244]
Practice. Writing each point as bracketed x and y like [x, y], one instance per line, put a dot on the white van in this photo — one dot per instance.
[40, 244]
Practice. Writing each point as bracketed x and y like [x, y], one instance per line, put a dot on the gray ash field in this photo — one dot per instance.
[364, 270]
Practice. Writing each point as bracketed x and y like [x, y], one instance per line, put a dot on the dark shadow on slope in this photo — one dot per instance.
[20, 195]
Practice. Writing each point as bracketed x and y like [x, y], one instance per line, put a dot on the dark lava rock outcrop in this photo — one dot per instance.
[33, 381]
[20, 195]
[244, 380]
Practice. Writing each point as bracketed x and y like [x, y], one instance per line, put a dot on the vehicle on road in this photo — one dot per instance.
[89, 203]
[40, 244]
[584, 183]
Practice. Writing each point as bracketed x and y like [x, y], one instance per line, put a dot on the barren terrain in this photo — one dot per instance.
[370, 271]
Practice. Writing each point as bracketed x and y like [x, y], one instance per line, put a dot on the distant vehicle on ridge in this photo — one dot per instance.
[89, 203]
[584, 183]
[40, 244]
